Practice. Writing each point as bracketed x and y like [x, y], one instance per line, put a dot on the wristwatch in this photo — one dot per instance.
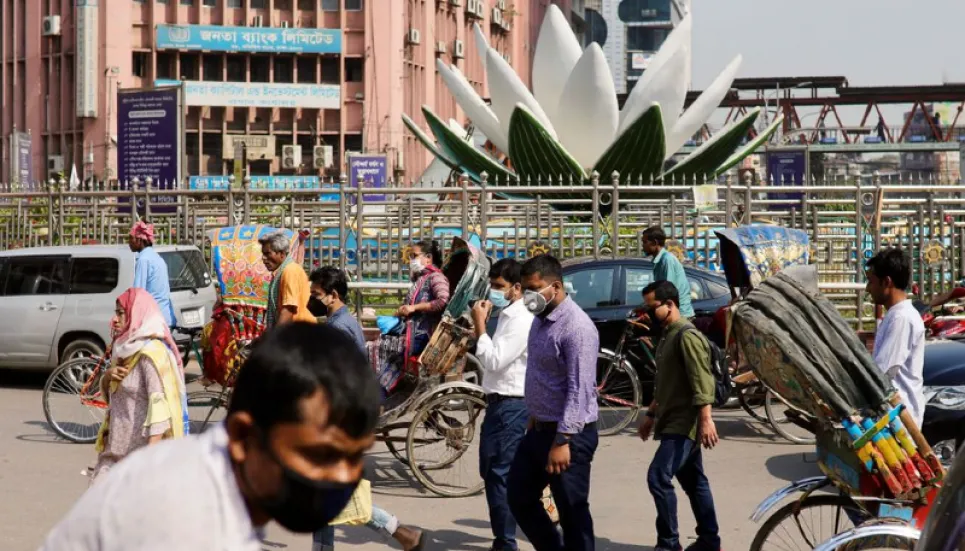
[561, 439]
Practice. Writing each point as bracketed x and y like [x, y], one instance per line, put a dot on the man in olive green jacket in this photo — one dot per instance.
[680, 418]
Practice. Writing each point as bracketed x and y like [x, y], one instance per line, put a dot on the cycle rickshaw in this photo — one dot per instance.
[877, 466]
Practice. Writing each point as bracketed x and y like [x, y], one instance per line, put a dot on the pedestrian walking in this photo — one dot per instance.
[900, 339]
[144, 386]
[680, 419]
[666, 267]
[288, 292]
[329, 286]
[561, 437]
[150, 270]
[503, 359]
[302, 413]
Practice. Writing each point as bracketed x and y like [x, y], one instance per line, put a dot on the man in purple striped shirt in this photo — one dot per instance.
[560, 394]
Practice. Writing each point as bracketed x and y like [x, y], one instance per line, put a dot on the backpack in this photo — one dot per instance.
[718, 366]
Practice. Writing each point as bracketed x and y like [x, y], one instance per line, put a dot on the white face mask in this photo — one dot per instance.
[415, 265]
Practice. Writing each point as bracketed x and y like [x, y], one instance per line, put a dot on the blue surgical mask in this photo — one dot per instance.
[498, 298]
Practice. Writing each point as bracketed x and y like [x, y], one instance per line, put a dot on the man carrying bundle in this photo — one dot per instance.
[900, 339]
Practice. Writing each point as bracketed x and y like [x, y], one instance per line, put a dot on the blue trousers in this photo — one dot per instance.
[502, 430]
[571, 491]
[680, 457]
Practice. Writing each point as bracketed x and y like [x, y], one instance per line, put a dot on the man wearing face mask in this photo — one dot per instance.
[302, 414]
[503, 359]
[680, 418]
[561, 437]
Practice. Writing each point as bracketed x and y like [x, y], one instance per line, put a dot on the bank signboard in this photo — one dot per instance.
[215, 38]
[257, 94]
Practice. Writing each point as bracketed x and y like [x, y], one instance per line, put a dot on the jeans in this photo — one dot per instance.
[382, 521]
[571, 491]
[679, 456]
[502, 430]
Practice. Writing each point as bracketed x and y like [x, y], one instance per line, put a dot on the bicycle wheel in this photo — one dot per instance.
[618, 394]
[751, 398]
[207, 408]
[805, 524]
[70, 414]
[443, 445]
[774, 408]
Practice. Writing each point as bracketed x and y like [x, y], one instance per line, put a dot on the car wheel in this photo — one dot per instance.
[82, 348]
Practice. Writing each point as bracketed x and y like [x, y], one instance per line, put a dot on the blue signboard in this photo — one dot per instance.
[368, 171]
[149, 137]
[786, 168]
[249, 39]
[265, 182]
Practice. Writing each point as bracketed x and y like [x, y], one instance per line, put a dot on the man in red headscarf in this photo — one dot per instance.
[150, 271]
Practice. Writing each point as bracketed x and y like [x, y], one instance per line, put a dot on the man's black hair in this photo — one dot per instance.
[655, 234]
[544, 265]
[507, 269]
[293, 361]
[893, 263]
[331, 280]
[663, 291]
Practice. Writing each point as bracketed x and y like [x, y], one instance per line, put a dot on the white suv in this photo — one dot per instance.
[56, 303]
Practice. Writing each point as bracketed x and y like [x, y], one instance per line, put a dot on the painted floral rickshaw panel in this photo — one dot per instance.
[751, 254]
[236, 255]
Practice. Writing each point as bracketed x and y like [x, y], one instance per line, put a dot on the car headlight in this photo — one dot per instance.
[945, 397]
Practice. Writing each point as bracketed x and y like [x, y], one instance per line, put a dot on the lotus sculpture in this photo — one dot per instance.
[570, 125]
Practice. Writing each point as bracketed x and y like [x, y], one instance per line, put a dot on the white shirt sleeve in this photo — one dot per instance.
[894, 346]
[506, 346]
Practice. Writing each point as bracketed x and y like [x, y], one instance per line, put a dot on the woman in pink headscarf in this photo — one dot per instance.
[144, 386]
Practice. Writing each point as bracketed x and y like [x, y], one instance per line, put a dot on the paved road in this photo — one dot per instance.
[40, 479]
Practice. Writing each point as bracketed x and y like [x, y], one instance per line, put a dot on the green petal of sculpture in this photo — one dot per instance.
[750, 147]
[638, 152]
[534, 151]
[714, 152]
[427, 142]
[469, 159]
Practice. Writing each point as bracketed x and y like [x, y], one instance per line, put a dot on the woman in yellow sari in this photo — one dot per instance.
[144, 386]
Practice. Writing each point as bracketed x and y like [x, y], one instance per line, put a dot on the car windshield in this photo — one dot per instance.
[186, 270]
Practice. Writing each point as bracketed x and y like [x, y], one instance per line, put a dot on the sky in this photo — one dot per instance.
[870, 42]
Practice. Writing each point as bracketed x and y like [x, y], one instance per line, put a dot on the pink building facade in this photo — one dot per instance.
[63, 61]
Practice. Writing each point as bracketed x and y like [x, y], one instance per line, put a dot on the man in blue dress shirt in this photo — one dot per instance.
[150, 270]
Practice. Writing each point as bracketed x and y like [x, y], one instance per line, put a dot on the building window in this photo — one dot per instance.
[306, 5]
[306, 69]
[645, 39]
[353, 69]
[236, 69]
[187, 2]
[330, 5]
[162, 1]
[189, 67]
[284, 69]
[165, 66]
[139, 64]
[211, 67]
[209, 3]
[259, 68]
[330, 70]
[256, 4]
[283, 4]
[234, 3]
[353, 5]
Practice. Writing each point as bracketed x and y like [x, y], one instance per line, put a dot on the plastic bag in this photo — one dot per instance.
[389, 325]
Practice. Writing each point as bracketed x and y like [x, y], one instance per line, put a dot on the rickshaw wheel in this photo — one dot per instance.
[395, 444]
[793, 525]
[449, 423]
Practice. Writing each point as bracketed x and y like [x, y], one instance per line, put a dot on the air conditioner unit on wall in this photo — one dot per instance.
[441, 47]
[51, 25]
[55, 163]
[458, 49]
[285, 24]
[257, 21]
[497, 17]
[455, 3]
[474, 8]
[322, 156]
[291, 156]
[414, 36]
[501, 4]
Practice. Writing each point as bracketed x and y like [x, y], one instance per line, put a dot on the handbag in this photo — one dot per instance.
[358, 511]
[390, 325]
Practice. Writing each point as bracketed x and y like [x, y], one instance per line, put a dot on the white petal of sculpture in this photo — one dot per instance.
[482, 45]
[669, 57]
[474, 106]
[557, 52]
[668, 88]
[588, 108]
[506, 90]
[702, 108]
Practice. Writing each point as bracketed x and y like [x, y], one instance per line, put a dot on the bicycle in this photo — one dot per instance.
[72, 400]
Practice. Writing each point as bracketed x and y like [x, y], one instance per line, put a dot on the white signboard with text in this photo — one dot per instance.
[258, 94]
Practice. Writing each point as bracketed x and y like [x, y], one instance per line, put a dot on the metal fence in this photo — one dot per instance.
[367, 230]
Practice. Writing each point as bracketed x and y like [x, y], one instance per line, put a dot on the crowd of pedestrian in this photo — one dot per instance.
[305, 405]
